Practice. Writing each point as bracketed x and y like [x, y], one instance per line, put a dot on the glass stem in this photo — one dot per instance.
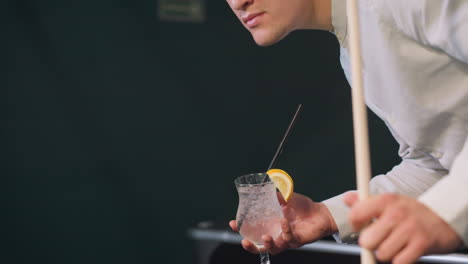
[264, 258]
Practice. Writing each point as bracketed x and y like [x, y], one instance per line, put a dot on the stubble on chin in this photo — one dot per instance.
[265, 39]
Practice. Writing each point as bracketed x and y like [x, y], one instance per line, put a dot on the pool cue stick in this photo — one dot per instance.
[361, 136]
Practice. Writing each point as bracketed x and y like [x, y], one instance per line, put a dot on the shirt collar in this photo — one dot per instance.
[339, 21]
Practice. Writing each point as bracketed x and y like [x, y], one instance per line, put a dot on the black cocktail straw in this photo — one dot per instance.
[283, 141]
[285, 137]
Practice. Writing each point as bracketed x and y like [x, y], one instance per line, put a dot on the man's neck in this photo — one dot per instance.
[321, 15]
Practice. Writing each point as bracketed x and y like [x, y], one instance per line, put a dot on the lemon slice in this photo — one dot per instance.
[283, 182]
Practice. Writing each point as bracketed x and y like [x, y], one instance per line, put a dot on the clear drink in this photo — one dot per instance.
[259, 212]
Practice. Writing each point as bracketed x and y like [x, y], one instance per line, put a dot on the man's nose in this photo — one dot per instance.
[239, 4]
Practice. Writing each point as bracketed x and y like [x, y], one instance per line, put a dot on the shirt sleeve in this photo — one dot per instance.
[452, 188]
[441, 24]
[408, 178]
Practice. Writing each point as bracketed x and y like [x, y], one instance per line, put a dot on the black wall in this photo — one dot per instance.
[120, 131]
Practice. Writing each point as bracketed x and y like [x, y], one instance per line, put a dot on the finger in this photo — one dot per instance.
[350, 198]
[269, 244]
[374, 234]
[286, 233]
[393, 244]
[233, 225]
[411, 252]
[273, 246]
[249, 246]
[364, 211]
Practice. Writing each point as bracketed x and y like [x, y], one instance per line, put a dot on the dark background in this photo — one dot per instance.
[120, 131]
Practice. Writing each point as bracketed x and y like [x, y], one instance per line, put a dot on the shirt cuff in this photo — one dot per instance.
[339, 211]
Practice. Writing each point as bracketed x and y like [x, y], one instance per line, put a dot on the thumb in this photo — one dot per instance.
[350, 198]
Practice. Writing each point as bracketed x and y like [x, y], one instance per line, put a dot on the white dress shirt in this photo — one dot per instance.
[415, 71]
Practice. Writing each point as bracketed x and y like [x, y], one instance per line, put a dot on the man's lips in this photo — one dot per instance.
[251, 19]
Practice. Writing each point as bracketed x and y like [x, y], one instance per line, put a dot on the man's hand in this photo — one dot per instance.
[304, 221]
[401, 228]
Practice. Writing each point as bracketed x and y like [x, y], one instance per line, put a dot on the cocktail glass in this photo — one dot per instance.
[259, 212]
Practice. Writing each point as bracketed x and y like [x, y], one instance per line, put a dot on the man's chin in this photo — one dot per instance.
[266, 40]
[265, 43]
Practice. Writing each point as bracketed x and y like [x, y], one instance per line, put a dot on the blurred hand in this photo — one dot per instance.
[305, 221]
[402, 228]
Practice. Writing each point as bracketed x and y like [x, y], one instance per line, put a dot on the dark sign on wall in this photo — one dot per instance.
[182, 10]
